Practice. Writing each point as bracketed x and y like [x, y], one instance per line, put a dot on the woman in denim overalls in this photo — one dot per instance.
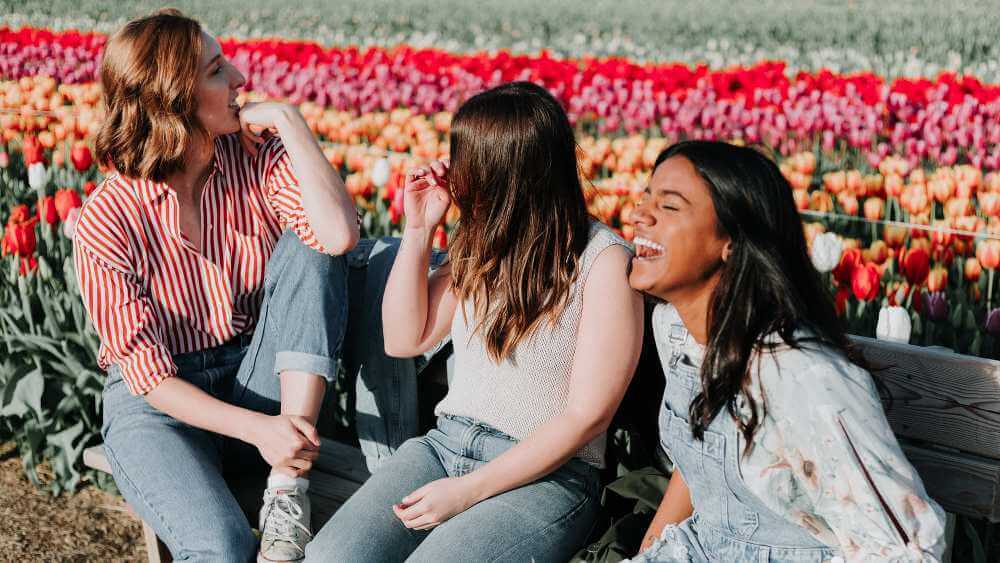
[781, 447]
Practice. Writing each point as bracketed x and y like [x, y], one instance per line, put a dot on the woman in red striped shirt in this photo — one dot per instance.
[218, 288]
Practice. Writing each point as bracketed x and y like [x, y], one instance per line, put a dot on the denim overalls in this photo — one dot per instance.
[729, 523]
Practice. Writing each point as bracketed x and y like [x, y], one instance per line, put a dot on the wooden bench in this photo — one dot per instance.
[945, 410]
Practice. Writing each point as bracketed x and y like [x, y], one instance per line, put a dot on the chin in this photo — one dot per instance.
[648, 276]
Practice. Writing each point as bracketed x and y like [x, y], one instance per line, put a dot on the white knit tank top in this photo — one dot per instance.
[531, 386]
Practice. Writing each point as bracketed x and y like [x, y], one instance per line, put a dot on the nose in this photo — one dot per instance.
[641, 213]
[237, 80]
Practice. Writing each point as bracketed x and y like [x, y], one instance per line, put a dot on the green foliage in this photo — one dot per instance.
[50, 387]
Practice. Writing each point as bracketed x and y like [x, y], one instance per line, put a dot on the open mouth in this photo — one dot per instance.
[646, 249]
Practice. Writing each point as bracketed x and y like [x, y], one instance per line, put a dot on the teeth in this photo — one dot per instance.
[639, 241]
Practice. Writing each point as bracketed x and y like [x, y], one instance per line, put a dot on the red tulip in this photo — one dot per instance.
[849, 261]
[81, 157]
[28, 264]
[441, 238]
[33, 151]
[19, 214]
[865, 282]
[840, 300]
[89, 187]
[47, 213]
[19, 239]
[915, 265]
[65, 200]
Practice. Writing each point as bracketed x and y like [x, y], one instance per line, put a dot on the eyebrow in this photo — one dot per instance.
[215, 58]
[665, 192]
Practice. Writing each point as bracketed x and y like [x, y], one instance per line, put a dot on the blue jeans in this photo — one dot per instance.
[173, 475]
[548, 520]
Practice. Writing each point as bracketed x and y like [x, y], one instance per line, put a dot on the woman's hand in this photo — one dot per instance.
[435, 502]
[259, 120]
[425, 196]
[286, 441]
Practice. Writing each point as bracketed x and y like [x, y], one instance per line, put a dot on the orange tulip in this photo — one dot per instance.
[878, 252]
[821, 201]
[849, 203]
[874, 208]
[894, 236]
[894, 185]
[835, 182]
[941, 234]
[801, 198]
[937, 279]
[988, 253]
[989, 202]
[973, 269]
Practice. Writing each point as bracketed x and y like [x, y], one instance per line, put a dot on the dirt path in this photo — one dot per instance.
[89, 525]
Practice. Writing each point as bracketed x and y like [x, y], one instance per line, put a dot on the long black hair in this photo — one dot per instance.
[768, 285]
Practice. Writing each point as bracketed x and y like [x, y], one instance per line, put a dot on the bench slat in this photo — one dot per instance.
[961, 483]
[939, 397]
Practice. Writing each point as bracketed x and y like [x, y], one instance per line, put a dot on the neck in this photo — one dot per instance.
[692, 305]
[189, 182]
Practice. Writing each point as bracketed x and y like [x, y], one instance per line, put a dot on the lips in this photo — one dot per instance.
[646, 249]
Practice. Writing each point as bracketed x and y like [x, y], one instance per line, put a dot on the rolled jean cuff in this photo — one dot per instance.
[310, 363]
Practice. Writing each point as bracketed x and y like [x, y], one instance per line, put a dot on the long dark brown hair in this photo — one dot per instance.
[768, 284]
[524, 221]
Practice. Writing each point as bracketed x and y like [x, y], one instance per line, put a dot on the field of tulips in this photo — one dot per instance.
[911, 38]
[898, 181]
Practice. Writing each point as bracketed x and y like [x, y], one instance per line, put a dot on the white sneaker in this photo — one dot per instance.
[284, 525]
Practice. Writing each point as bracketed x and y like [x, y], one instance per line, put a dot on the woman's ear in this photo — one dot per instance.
[727, 250]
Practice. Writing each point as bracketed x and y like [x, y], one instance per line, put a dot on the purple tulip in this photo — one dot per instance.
[936, 306]
[993, 322]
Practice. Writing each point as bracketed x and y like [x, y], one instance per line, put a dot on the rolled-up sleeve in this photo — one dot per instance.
[123, 318]
[281, 188]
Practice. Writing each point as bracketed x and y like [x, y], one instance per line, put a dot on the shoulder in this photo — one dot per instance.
[105, 212]
[815, 375]
[602, 237]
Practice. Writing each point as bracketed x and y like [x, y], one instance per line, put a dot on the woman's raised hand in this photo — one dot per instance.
[425, 196]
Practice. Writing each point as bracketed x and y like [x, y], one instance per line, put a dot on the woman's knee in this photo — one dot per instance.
[220, 543]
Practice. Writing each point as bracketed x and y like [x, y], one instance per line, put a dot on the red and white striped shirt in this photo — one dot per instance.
[150, 293]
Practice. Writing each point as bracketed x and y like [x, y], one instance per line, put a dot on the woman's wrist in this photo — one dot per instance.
[247, 425]
[477, 490]
[422, 235]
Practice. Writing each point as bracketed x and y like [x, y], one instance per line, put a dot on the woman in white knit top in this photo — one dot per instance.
[546, 332]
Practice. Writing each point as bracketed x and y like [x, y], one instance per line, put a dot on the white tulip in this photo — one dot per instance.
[69, 225]
[826, 249]
[38, 177]
[893, 324]
[380, 172]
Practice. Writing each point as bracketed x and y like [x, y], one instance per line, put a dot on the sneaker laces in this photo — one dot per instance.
[283, 517]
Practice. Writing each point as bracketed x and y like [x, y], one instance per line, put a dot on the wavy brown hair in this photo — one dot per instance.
[149, 74]
[524, 221]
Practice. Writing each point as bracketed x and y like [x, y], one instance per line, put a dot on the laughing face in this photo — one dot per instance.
[219, 83]
[678, 247]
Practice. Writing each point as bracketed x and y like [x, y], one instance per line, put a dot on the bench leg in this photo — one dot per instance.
[156, 551]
